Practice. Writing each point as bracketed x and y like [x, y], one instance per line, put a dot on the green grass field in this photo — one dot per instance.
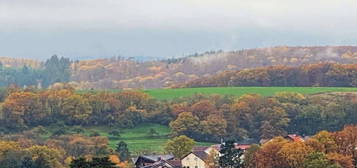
[167, 94]
[137, 138]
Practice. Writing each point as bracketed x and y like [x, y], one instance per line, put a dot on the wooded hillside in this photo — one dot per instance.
[119, 72]
[124, 73]
[324, 74]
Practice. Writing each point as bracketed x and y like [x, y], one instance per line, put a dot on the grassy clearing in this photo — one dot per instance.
[167, 94]
[137, 138]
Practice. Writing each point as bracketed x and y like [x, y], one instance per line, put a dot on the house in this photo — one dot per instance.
[198, 157]
[195, 159]
[147, 160]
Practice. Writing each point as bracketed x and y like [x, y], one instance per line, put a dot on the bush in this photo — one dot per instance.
[115, 133]
[59, 132]
[78, 130]
[152, 133]
[94, 134]
[40, 130]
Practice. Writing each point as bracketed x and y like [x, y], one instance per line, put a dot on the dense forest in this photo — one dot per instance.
[324, 74]
[27, 73]
[120, 72]
[126, 73]
[206, 118]
[27, 115]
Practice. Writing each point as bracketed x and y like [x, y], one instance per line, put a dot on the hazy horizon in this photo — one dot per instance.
[87, 29]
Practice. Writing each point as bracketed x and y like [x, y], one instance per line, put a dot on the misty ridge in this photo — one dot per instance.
[119, 72]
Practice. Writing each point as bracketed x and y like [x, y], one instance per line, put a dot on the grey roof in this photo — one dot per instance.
[164, 163]
[201, 154]
[158, 157]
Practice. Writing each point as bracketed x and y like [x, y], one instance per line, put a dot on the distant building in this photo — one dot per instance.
[295, 138]
[198, 157]
[151, 160]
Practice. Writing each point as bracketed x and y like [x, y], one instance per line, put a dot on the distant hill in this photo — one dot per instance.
[127, 73]
[121, 72]
[19, 62]
[321, 74]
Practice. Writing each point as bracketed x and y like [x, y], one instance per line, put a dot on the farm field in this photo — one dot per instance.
[137, 138]
[167, 94]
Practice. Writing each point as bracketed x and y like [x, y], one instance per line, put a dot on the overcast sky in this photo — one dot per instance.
[83, 29]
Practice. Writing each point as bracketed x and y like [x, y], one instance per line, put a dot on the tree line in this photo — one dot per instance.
[207, 118]
[29, 150]
[51, 71]
[323, 74]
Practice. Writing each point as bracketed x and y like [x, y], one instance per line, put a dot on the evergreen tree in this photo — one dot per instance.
[231, 157]
[96, 162]
[41, 162]
[27, 162]
[79, 163]
[103, 162]
[123, 151]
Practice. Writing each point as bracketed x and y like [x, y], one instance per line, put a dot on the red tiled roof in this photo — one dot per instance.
[295, 138]
[243, 147]
[237, 146]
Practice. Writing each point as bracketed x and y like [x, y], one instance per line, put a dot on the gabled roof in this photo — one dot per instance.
[165, 163]
[200, 154]
[159, 164]
[174, 163]
[158, 157]
[153, 158]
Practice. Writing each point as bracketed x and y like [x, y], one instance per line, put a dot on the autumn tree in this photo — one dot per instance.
[250, 158]
[212, 160]
[185, 124]
[342, 160]
[22, 109]
[203, 108]
[294, 153]
[179, 146]
[46, 156]
[346, 141]
[318, 160]
[322, 142]
[76, 109]
[269, 156]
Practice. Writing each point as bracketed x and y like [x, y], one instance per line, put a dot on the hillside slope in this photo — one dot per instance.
[121, 72]
[125, 73]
